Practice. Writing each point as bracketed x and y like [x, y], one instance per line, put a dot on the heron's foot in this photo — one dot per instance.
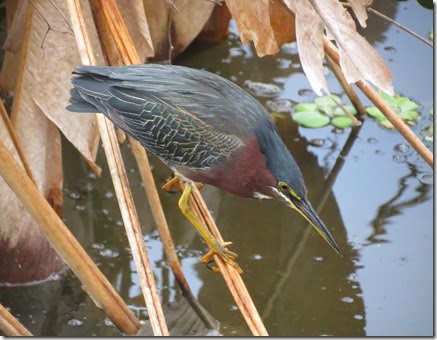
[173, 185]
[215, 246]
[225, 254]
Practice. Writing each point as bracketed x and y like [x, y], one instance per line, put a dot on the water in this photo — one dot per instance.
[371, 189]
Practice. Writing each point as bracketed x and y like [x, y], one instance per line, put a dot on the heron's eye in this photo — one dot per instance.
[284, 186]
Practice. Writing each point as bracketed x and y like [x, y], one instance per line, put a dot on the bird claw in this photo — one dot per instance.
[225, 254]
[174, 183]
[171, 184]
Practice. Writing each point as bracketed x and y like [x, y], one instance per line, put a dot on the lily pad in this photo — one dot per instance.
[305, 107]
[341, 121]
[327, 104]
[311, 119]
[405, 104]
[329, 100]
[409, 115]
[388, 99]
[387, 124]
[430, 133]
[376, 113]
[349, 108]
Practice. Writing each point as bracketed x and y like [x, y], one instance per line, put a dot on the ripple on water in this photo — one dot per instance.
[426, 178]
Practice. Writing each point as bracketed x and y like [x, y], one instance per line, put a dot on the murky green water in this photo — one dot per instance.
[371, 189]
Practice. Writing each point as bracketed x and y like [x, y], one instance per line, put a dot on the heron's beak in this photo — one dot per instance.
[307, 211]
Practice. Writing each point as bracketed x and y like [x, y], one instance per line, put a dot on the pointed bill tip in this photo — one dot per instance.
[306, 209]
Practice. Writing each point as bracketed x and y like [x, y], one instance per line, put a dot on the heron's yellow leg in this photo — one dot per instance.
[215, 246]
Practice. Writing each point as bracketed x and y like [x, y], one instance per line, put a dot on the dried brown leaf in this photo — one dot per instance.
[309, 32]
[186, 23]
[51, 55]
[358, 6]
[21, 241]
[268, 24]
[135, 19]
[17, 12]
[358, 59]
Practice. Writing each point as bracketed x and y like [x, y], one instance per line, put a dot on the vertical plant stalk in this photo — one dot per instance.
[374, 97]
[63, 241]
[11, 131]
[352, 95]
[10, 325]
[118, 47]
[121, 186]
[231, 276]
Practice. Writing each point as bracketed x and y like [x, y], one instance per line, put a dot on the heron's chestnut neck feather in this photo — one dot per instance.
[243, 175]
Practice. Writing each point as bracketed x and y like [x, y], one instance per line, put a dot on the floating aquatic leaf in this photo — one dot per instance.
[329, 100]
[305, 107]
[311, 119]
[405, 104]
[388, 99]
[341, 121]
[376, 113]
[349, 108]
[327, 103]
[387, 124]
[430, 132]
[409, 115]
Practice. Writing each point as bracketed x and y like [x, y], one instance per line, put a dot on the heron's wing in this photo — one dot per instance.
[172, 133]
[213, 99]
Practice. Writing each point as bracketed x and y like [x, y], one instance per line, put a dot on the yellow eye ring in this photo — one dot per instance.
[284, 186]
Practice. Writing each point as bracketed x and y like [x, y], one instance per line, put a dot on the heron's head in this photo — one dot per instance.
[290, 186]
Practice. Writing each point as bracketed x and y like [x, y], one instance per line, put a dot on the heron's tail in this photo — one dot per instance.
[78, 104]
[88, 88]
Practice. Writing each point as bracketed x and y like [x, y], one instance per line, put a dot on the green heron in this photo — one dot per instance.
[205, 128]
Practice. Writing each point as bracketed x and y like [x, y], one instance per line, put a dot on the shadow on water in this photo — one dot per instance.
[363, 193]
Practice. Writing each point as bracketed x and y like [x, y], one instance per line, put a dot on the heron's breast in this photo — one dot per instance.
[243, 174]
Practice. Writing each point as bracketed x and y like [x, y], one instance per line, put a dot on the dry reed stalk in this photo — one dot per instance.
[63, 241]
[4, 115]
[121, 186]
[109, 27]
[10, 325]
[231, 276]
[374, 97]
[115, 38]
[350, 92]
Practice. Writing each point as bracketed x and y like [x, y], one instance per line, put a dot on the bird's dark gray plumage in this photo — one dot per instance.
[187, 117]
[204, 127]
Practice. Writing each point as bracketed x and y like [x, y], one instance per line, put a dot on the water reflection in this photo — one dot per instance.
[297, 281]
[411, 193]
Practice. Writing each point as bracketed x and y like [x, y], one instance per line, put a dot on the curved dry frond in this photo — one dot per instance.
[358, 59]
[187, 20]
[267, 23]
[359, 8]
[309, 33]
[50, 55]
